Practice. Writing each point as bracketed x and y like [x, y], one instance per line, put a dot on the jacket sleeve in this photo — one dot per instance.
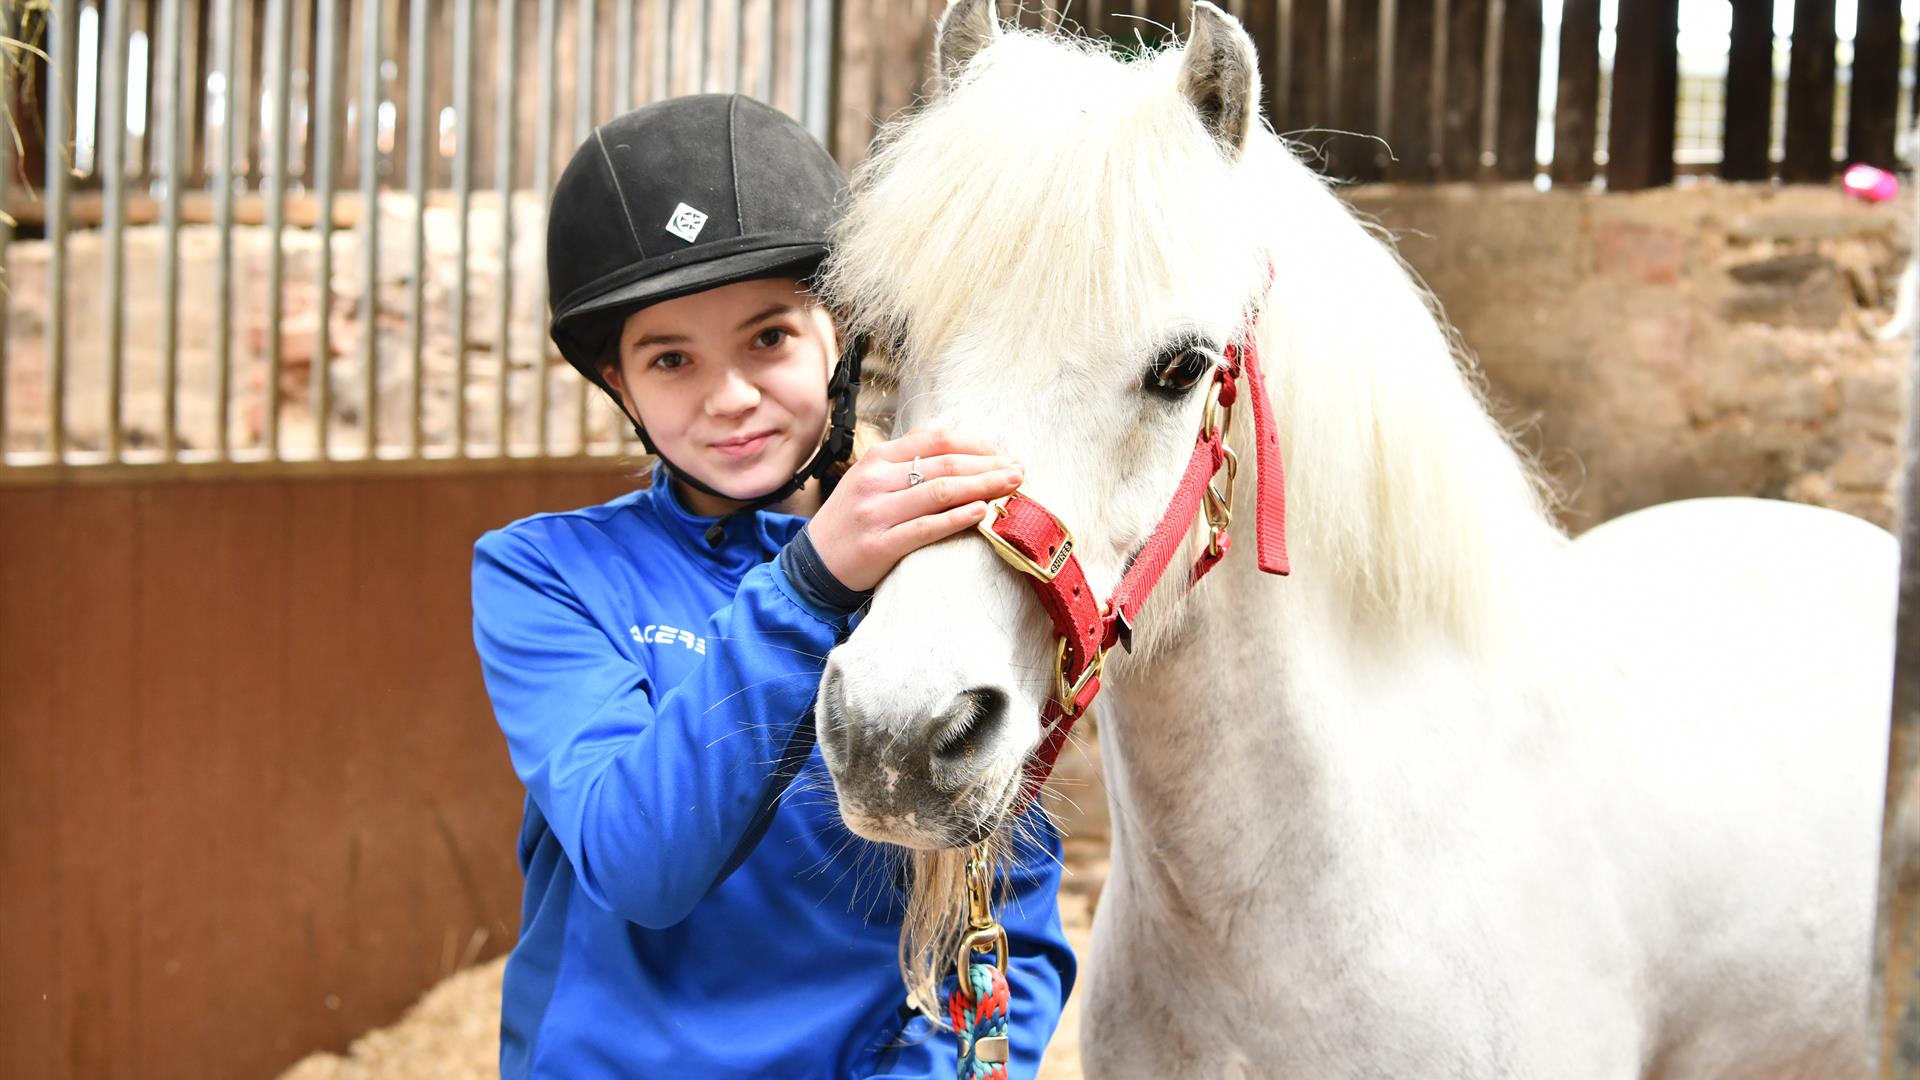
[655, 796]
[1039, 976]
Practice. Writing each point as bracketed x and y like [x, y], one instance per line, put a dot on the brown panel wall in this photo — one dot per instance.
[252, 801]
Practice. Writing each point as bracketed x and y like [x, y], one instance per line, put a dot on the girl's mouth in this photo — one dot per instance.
[743, 446]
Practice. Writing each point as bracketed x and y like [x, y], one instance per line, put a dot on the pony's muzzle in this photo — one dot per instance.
[925, 776]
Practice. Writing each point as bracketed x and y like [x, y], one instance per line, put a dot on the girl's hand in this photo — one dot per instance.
[873, 519]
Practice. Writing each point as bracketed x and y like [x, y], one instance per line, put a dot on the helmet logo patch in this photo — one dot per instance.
[686, 223]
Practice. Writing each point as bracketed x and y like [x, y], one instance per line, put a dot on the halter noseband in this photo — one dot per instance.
[1039, 545]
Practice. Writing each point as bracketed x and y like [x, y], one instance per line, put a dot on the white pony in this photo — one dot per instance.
[1459, 798]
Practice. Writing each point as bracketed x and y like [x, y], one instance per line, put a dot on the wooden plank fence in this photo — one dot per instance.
[1451, 90]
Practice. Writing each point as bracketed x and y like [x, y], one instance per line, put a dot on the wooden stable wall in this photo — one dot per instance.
[252, 801]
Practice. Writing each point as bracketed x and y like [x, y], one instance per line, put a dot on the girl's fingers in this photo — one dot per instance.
[918, 532]
[893, 476]
[928, 442]
[935, 496]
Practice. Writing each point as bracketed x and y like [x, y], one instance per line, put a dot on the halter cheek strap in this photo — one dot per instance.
[1039, 545]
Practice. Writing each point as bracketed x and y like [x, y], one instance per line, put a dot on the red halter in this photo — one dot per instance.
[1038, 544]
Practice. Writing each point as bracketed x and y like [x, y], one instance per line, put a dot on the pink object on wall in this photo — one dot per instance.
[1870, 183]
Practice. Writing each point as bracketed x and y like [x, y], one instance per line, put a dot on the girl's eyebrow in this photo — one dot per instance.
[650, 340]
[781, 308]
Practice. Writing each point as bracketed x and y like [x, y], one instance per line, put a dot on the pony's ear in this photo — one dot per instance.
[1220, 77]
[966, 27]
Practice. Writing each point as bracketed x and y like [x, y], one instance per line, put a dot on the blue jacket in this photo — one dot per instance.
[694, 906]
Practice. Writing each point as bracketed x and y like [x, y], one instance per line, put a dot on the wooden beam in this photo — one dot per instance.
[1359, 156]
[1411, 120]
[1576, 106]
[1518, 105]
[1875, 98]
[1307, 70]
[1460, 112]
[1646, 76]
[1747, 135]
[1810, 78]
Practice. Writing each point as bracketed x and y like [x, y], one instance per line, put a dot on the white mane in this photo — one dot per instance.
[1061, 199]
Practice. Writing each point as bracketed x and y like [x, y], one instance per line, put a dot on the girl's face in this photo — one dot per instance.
[730, 383]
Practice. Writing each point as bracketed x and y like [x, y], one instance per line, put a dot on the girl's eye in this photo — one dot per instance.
[1176, 370]
[669, 361]
[772, 337]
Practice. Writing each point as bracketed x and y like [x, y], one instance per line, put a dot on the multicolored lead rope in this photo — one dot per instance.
[979, 1016]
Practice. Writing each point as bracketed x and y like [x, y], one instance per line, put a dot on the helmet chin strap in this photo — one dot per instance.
[843, 391]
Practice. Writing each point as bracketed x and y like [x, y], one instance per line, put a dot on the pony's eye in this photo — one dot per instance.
[1175, 371]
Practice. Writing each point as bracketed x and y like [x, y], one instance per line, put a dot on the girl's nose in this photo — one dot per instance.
[734, 396]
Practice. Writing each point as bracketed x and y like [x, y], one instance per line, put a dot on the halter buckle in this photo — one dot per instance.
[1070, 694]
[1218, 502]
[1016, 558]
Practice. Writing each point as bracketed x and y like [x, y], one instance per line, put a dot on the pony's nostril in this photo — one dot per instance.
[970, 725]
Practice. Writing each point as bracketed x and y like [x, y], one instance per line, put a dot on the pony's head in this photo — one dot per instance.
[1058, 247]
[1049, 246]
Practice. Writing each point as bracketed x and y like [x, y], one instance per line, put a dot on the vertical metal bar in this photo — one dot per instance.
[224, 34]
[738, 61]
[768, 46]
[665, 49]
[370, 223]
[60, 87]
[702, 73]
[418, 60]
[172, 98]
[582, 127]
[321, 134]
[463, 190]
[113, 178]
[662, 82]
[278, 113]
[503, 182]
[622, 57]
[543, 187]
[818, 34]
[583, 80]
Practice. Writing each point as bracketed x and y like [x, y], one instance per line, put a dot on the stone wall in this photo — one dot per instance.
[1709, 340]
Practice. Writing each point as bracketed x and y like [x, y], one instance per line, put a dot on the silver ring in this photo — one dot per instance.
[913, 474]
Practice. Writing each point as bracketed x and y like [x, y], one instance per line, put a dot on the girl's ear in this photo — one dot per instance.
[610, 371]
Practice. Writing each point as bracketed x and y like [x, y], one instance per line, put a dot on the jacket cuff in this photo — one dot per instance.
[811, 581]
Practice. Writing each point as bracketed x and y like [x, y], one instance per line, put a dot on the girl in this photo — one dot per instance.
[694, 907]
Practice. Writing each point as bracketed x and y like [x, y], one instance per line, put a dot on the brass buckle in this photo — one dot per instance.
[1070, 694]
[1218, 504]
[1013, 556]
[984, 932]
[989, 939]
[979, 888]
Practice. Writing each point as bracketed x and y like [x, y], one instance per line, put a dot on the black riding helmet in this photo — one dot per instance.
[678, 197]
